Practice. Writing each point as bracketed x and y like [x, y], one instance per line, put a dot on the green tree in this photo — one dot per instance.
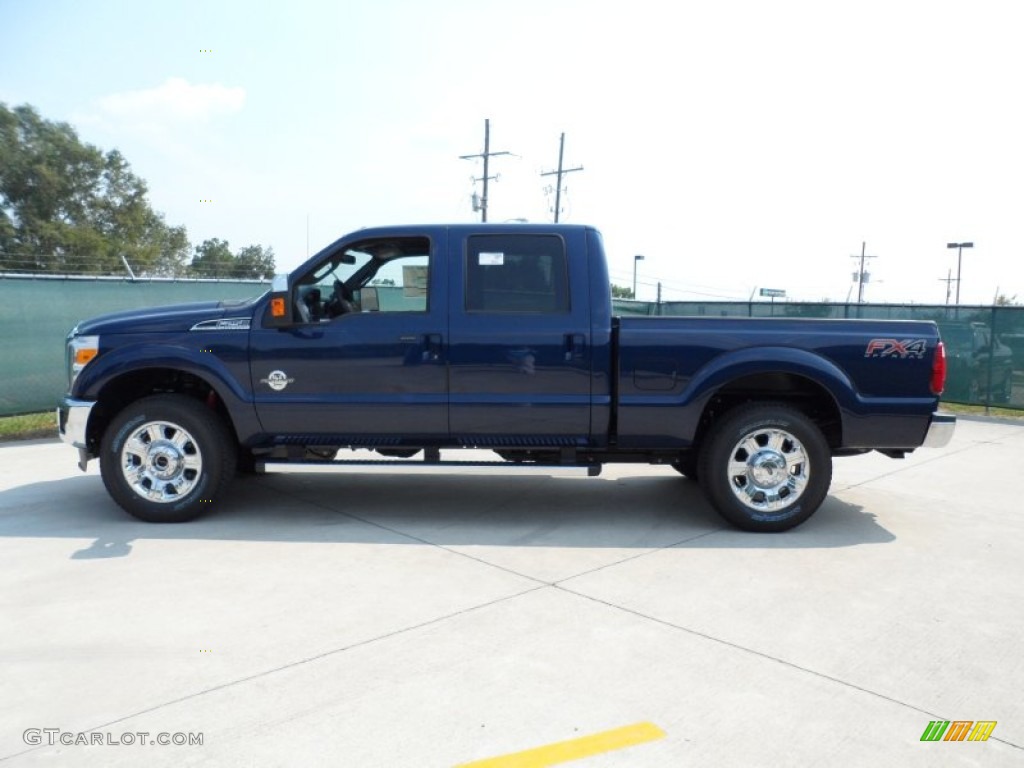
[65, 206]
[255, 261]
[213, 258]
[174, 248]
[620, 292]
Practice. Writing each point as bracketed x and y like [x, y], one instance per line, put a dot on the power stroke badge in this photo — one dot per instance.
[277, 380]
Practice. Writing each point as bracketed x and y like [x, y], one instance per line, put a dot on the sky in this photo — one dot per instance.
[736, 145]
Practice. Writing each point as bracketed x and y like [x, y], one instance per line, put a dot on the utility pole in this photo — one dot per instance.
[861, 276]
[560, 172]
[948, 280]
[636, 258]
[486, 155]
[959, 260]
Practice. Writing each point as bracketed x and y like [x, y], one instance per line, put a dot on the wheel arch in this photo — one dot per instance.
[799, 390]
[125, 388]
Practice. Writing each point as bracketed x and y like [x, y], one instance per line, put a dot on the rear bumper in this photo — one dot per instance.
[940, 430]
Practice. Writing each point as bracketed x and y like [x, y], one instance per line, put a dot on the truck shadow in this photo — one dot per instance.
[642, 512]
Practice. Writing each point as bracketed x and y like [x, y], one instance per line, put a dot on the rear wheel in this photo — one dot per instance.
[766, 467]
[166, 458]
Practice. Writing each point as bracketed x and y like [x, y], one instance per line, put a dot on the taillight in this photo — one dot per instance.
[938, 382]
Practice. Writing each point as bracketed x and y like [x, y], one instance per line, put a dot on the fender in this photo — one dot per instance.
[133, 357]
[145, 354]
[756, 360]
[642, 418]
[863, 418]
[866, 421]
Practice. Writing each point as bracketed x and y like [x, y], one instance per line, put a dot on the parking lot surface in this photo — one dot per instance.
[389, 619]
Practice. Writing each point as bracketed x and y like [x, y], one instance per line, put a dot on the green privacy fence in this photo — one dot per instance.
[36, 314]
[985, 345]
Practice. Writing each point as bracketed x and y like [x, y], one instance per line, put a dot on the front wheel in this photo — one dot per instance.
[766, 467]
[165, 458]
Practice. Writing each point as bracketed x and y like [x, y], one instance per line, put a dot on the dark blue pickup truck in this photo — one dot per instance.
[413, 340]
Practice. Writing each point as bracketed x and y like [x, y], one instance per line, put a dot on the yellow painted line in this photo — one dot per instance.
[573, 749]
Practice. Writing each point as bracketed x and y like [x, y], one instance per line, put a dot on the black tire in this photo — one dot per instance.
[792, 461]
[687, 465]
[172, 448]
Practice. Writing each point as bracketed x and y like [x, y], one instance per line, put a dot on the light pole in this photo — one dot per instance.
[636, 258]
[959, 253]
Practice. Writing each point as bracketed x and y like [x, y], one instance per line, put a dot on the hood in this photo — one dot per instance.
[169, 319]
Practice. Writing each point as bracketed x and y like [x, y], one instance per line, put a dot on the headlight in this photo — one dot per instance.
[81, 350]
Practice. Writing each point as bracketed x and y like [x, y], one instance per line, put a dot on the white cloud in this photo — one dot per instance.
[176, 99]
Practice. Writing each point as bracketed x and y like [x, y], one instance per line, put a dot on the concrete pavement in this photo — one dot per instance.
[381, 619]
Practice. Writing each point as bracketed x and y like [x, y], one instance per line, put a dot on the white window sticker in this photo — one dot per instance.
[492, 259]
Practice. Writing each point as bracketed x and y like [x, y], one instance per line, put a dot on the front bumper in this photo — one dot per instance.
[940, 430]
[73, 423]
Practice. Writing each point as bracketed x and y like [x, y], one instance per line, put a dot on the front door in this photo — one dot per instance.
[368, 367]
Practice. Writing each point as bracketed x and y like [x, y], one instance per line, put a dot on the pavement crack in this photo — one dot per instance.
[769, 657]
[410, 536]
[643, 553]
[290, 665]
[905, 468]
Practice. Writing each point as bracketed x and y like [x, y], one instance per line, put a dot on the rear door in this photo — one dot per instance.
[520, 348]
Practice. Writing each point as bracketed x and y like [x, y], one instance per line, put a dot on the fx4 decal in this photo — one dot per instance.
[907, 348]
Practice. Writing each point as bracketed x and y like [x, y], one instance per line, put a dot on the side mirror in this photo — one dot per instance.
[368, 300]
[279, 311]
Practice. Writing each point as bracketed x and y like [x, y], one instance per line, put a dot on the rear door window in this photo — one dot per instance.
[516, 274]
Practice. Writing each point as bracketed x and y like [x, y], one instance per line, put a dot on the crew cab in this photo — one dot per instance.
[414, 340]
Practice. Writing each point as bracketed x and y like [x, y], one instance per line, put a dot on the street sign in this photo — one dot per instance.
[775, 293]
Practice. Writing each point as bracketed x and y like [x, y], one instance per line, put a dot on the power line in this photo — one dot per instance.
[653, 282]
[560, 172]
[486, 155]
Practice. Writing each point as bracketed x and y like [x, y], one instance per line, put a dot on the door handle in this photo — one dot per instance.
[434, 343]
[575, 345]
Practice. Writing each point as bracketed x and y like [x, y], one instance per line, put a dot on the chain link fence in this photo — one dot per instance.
[985, 345]
[36, 314]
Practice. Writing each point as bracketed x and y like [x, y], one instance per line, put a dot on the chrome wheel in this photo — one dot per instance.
[768, 469]
[161, 462]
